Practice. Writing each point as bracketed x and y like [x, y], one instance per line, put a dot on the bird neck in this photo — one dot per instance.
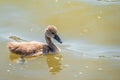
[51, 45]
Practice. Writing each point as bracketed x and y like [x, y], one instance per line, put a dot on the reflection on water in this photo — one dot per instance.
[14, 57]
[53, 61]
[17, 58]
[15, 38]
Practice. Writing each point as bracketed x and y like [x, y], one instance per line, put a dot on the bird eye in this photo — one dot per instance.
[53, 33]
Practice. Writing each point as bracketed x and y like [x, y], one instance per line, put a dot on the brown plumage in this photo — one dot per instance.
[37, 48]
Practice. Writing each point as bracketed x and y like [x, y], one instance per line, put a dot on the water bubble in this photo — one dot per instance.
[62, 59]
[56, 0]
[8, 70]
[86, 66]
[9, 64]
[100, 69]
[57, 58]
[99, 17]
[51, 68]
[80, 73]
[66, 65]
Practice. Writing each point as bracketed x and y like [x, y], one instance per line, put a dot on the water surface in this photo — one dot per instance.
[89, 29]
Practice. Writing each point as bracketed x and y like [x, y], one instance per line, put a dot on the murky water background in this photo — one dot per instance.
[89, 29]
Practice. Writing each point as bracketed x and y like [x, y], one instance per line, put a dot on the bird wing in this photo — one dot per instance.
[25, 48]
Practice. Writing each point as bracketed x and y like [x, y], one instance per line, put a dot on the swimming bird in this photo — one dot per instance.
[35, 48]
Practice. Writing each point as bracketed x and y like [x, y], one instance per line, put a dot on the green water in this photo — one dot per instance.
[89, 31]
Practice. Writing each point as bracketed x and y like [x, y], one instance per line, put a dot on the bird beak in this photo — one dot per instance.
[56, 37]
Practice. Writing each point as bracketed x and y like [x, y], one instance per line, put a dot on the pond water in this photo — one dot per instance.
[89, 30]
